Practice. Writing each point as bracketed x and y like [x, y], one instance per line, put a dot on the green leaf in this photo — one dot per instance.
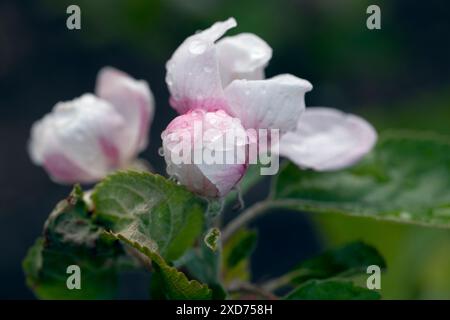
[212, 239]
[332, 290]
[150, 210]
[203, 264]
[175, 285]
[347, 261]
[241, 247]
[71, 238]
[405, 179]
[236, 254]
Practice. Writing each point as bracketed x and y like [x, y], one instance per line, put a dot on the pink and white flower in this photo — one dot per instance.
[196, 147]
[227, 76]
[82, 140]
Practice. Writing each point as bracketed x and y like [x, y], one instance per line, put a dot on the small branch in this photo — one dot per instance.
[252, 213]
[284, 280]
[238, 287]
[242, 219]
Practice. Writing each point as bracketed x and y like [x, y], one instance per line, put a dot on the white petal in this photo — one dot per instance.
[133, 100]
[275, 103]
[193, 74]
[79, 141]
[328, 139]
[243, 56]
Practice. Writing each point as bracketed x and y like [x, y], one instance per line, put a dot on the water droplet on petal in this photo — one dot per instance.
[208, 69]
[257, 53]
[169, 80]
[197, 47]
[161, 151]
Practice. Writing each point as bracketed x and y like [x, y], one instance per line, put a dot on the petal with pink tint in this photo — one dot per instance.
[63, 170]
[327, 139]
[223, 176]
[79, 141]
[193, 75]
[274, 103]
[134, 101]
[201, 132]
[243, 56]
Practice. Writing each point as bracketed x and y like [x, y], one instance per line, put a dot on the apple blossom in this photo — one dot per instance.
[327, 139]
[205, 151]
[84, 139]
[227, 76]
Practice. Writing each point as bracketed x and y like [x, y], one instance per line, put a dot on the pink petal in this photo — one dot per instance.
[328, 139]
[200, 131]
[275, 103]
[63, 170]
[193, 74]
[79, 141]
[133, 100]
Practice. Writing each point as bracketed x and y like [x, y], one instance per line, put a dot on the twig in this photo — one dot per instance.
[237, 287]
[284, 280]
[244, 218]
[253, 212]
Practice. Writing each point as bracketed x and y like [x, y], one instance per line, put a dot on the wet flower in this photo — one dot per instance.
[227, 76]
[197, 146]
[84, 139]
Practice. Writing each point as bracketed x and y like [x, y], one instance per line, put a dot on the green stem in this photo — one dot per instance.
[282, 281]
[253, 212]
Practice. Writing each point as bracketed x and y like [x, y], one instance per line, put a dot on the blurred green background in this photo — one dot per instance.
[396, 77]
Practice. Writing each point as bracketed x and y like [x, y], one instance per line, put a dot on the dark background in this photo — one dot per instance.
[398, 76]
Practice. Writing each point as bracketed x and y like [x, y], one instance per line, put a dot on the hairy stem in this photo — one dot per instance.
[282, 281]
[244, 218]
[252, 213]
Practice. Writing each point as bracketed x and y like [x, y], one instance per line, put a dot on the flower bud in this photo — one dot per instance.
[206, 151]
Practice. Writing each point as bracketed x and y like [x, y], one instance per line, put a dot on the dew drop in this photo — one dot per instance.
[169, 80]
[197, 47]
[257, 54]
[170, 170]
[161, 151]
[170, 66]
[208, 69]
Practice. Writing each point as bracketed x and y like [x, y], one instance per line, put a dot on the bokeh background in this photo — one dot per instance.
[396, 77]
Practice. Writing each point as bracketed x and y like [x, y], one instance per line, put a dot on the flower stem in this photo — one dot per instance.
[256, 210]
[282, 281]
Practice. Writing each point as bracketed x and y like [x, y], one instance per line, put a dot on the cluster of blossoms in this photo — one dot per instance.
[219, 88]
[221, 84]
